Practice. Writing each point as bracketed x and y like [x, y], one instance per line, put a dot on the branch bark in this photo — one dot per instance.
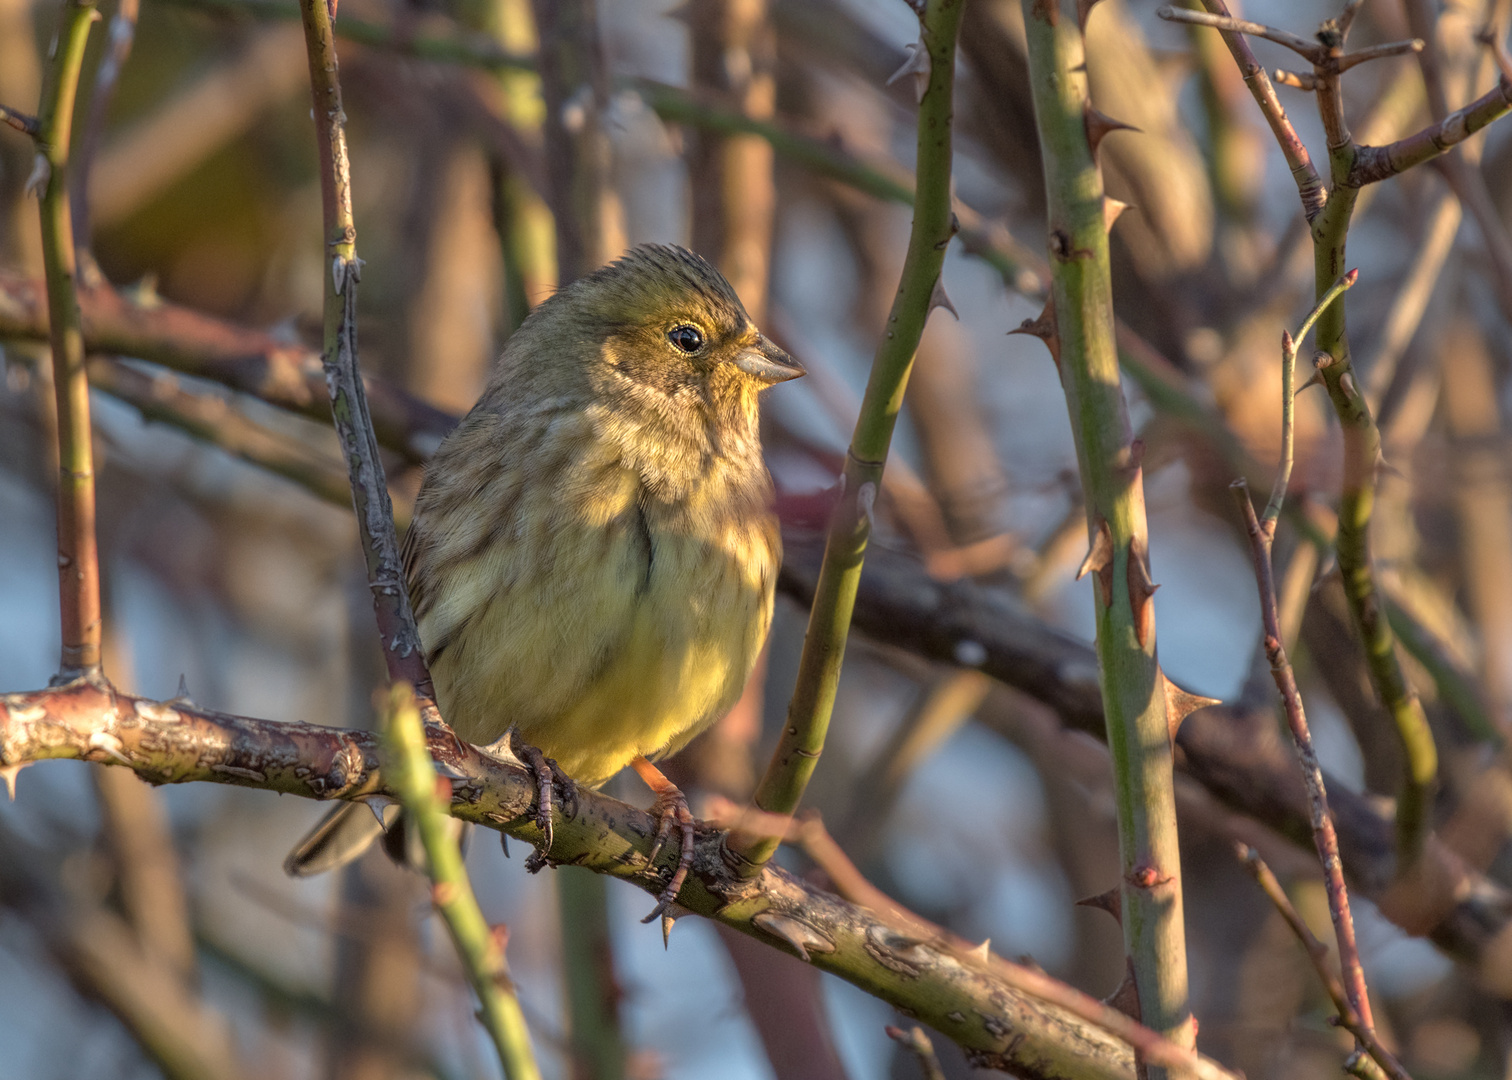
[958, 995]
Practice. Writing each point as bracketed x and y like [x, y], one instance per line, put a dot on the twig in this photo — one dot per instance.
[479, 946]
[22, 122]
[1079, 329]
[1373, 163]
[1288, 400]
[1376, 52]
[1304, 173]
[1301, 80]
[1310, 50]
[176, 743]
[1324, 838]
[781, 788]
[349, 408]
[1317, 952]
[917, 1043]
[78, 554]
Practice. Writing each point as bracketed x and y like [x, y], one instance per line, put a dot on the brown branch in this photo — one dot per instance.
[15, 118]
[1317, 952]
[1376, 52]
[288, 375]
[1304, 173]
[967, 1000]
[1324, 837]
[349, 408]
[1373, 163]
[1310, 50]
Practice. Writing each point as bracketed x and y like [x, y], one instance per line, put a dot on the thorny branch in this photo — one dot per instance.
[962, 997]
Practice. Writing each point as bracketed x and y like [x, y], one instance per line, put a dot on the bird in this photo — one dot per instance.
[593, 551]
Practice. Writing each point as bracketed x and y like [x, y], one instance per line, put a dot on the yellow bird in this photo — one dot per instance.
[593, 551]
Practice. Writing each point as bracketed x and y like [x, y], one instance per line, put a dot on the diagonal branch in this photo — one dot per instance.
[919, 292]
[1373, 163]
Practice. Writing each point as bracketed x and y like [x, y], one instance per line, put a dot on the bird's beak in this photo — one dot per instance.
[768, 363]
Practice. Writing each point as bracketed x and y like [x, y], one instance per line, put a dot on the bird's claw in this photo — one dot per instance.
[548, 776]
[671, 808]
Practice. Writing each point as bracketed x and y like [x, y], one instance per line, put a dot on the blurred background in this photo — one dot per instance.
[230, 558]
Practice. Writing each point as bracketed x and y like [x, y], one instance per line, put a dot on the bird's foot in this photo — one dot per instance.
[670, 808]
[548, 778]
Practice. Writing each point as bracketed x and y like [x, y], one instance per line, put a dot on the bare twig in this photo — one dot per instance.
[1317, 952]
[1324, 837]
[917, 1043]
[22, 122]
[78, 555]
[1310, 50]
[349, 408]
[1376, 52]
[1309, 184]
[1373, 163]
[1288, 404]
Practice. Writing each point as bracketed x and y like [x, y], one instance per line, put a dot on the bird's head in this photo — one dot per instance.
[671, 333]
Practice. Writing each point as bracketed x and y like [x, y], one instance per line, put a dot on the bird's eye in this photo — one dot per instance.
[687, 338]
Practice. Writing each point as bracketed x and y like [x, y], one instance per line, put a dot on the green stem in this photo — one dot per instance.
[1362, 456]
[412, 774]
[1083, 343]
[597, 1047]
[781, 789]
[78, 552]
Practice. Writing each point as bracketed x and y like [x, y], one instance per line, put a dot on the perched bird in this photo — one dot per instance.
[593, 551]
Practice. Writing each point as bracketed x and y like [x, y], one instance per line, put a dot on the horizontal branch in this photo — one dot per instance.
[280, 373]
[1312, 50]
[1374, 163]
[958, 995]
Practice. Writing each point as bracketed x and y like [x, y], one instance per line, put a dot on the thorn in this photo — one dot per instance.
[1347, 384]
[1181, 703]
[1043, 327]
[798, 934]
[938, 298]
[504, 843]
[1083, 12]
[182, 697]
[1100, 561]
[1315, 379]
[1112, 210]
[9, 774]
[916, 64]
[1100, 554]
[667, 920]
[377, 804]
[338, 273]
[1110, 901]
[983, 952]
[41, 172]
[1100, 125]
[446, 771]
[1141, 593]
[1385, 466]
[1126, 998]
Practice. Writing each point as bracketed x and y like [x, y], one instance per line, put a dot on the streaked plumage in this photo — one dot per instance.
[592, 555]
